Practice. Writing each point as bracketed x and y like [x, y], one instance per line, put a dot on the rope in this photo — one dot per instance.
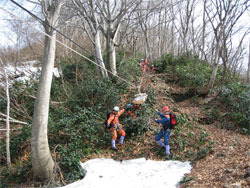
[20, 19]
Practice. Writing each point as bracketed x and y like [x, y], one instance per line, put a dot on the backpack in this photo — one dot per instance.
[173, 121]
[106, 121]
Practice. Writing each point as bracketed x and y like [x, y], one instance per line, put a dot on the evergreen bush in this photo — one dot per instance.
[237, 96]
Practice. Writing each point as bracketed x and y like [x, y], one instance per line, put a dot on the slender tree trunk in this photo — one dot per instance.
[42, 162]
[134, 46]
[160, 37]
[98, 53]
[248, 70]
[7, 123]
[148, 53]
[215, 67]
[7, 118]
[110, 47]
[111, 59]
[203, 32]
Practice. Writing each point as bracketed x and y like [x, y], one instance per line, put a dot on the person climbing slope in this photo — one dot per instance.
[144, 65]
[153, 69]
[113, 123]
[166, 130]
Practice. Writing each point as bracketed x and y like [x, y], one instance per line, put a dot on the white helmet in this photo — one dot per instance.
[116, 109]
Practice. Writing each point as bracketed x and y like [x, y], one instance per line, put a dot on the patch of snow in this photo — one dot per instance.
[135, 173]
[25, 71]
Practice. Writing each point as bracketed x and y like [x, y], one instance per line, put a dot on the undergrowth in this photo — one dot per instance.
[76, 130]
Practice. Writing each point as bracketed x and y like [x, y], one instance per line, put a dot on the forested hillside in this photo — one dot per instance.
[52, 120]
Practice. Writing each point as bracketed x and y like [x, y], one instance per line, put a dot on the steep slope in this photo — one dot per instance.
[229, 163]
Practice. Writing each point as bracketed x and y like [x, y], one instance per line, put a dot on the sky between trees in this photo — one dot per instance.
[9, 36]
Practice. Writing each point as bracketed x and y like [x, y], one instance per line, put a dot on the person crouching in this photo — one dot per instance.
[114, 125]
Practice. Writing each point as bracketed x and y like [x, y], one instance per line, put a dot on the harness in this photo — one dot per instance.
[115, 115]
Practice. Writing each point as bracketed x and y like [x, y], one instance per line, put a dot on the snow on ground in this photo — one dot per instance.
[25, 71]
[135, 173]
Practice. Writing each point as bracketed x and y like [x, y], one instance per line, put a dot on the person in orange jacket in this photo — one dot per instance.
[153, 69]
[113, 123]
[144, 65]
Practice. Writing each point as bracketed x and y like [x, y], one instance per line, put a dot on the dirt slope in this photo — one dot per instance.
[229, 165]
[226, 167]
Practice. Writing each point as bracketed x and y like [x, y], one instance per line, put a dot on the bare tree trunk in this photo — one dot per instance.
[147, 54]
[110, 47]
[98, 52]
[248, 70]
[215, 67]
[7, 118]
[90, 16]
[112, 56]
[227, 13]
[42, 162]
[134, 46]
[7, 122]
[111, 59]
[160, 37]
[113, 16]
[203, 32]
[172, 29]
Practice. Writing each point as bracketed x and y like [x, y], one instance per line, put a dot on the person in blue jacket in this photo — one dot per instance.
[165, 131]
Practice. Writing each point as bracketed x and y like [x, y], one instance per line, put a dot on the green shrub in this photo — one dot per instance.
[191, 71]
[75, 71]
[18, 143]
[3, 105]
[78, 134]
[129, 70]
[138, 126]
[237, 96]
[202, 153]
[99, 94]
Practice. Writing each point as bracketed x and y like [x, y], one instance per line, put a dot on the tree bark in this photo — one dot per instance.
[7, 118]
[7, 123]
[248, 69]
[89, 14]
[42, 162]
[98, 58]
[215, 67]
[111, 55]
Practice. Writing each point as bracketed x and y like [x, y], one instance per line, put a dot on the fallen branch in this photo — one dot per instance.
[12, 120]
[52, 102]
[10, 129]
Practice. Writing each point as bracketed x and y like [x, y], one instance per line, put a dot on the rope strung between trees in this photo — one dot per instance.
[41, 21]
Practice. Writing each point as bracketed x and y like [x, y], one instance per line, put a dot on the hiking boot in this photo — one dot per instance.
[121, 140]
[113, 145]
[114, 148]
